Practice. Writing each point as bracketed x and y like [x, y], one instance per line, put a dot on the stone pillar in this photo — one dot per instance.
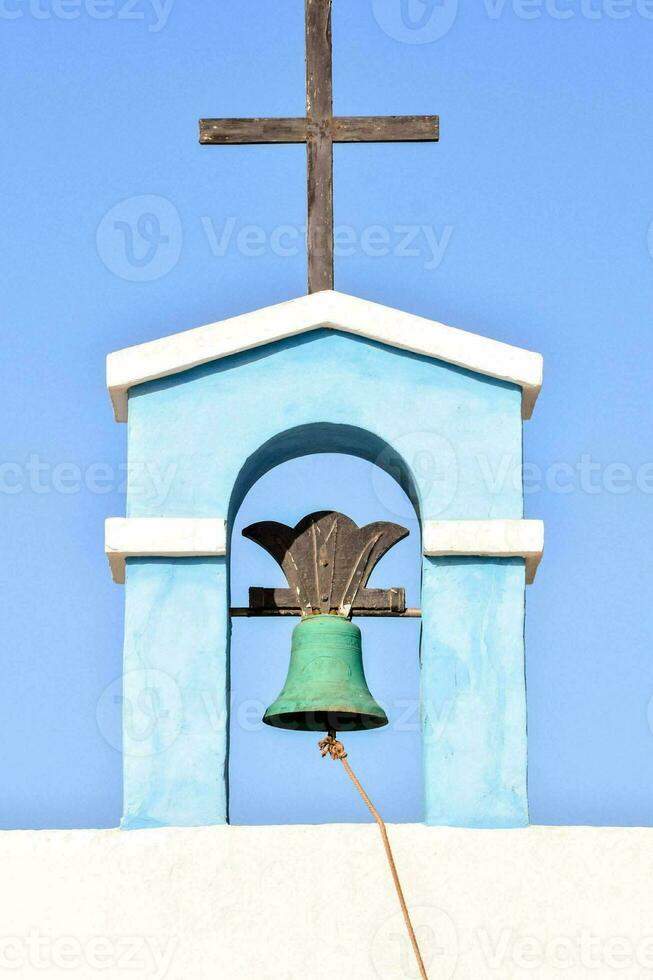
[474, 692]
[175, 709]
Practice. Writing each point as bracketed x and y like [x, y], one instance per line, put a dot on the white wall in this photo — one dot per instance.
[315, 903]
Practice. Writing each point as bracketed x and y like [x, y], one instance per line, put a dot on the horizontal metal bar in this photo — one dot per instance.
[386, 129]
[344, 129]
[246, 612]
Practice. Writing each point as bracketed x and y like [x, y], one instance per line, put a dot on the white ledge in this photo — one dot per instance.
[488, 539]
[161, 537]
[331, 310]
[197, 537]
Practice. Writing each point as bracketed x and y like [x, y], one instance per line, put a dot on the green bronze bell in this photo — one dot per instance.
[326, 688]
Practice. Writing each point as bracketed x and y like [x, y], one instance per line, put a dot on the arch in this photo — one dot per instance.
[255, 678]
[322, 437]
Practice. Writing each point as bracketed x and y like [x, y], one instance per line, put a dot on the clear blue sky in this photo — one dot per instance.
[530, 223]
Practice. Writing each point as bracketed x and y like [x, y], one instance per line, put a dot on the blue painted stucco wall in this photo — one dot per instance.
[176, 674]
[197, 443]
[200, 427]
[473, 693]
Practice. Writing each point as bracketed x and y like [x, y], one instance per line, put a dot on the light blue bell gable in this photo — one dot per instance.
[212, 419]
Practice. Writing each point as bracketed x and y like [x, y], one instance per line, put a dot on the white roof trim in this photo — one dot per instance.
[189, 537]
[489, 539]
[336, 311]
[161, 537]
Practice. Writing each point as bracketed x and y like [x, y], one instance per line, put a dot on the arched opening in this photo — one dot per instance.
[277, 776]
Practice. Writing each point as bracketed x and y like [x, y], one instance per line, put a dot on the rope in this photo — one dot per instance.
[332, 747]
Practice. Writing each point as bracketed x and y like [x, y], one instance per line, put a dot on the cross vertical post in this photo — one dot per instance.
[319, 144]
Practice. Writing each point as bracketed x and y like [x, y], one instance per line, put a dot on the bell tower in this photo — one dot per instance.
[220, 405]
[194, 408]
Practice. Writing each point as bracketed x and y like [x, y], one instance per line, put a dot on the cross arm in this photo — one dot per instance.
[386, 129]
[222, 132]
[345, 129]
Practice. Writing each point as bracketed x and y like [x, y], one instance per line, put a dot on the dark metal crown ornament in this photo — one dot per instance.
[327, 560]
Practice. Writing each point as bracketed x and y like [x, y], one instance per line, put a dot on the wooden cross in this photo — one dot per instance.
[320, 129]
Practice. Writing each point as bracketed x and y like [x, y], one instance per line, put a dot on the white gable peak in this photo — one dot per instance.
[331, 310]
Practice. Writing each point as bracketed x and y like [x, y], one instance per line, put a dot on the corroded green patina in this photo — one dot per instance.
[326, 688]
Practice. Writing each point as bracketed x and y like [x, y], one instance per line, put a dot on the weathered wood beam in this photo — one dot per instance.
[319, 145]
[222, 132]
[386, 129]
[390, 602]
[344, 129]
[244, 612]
